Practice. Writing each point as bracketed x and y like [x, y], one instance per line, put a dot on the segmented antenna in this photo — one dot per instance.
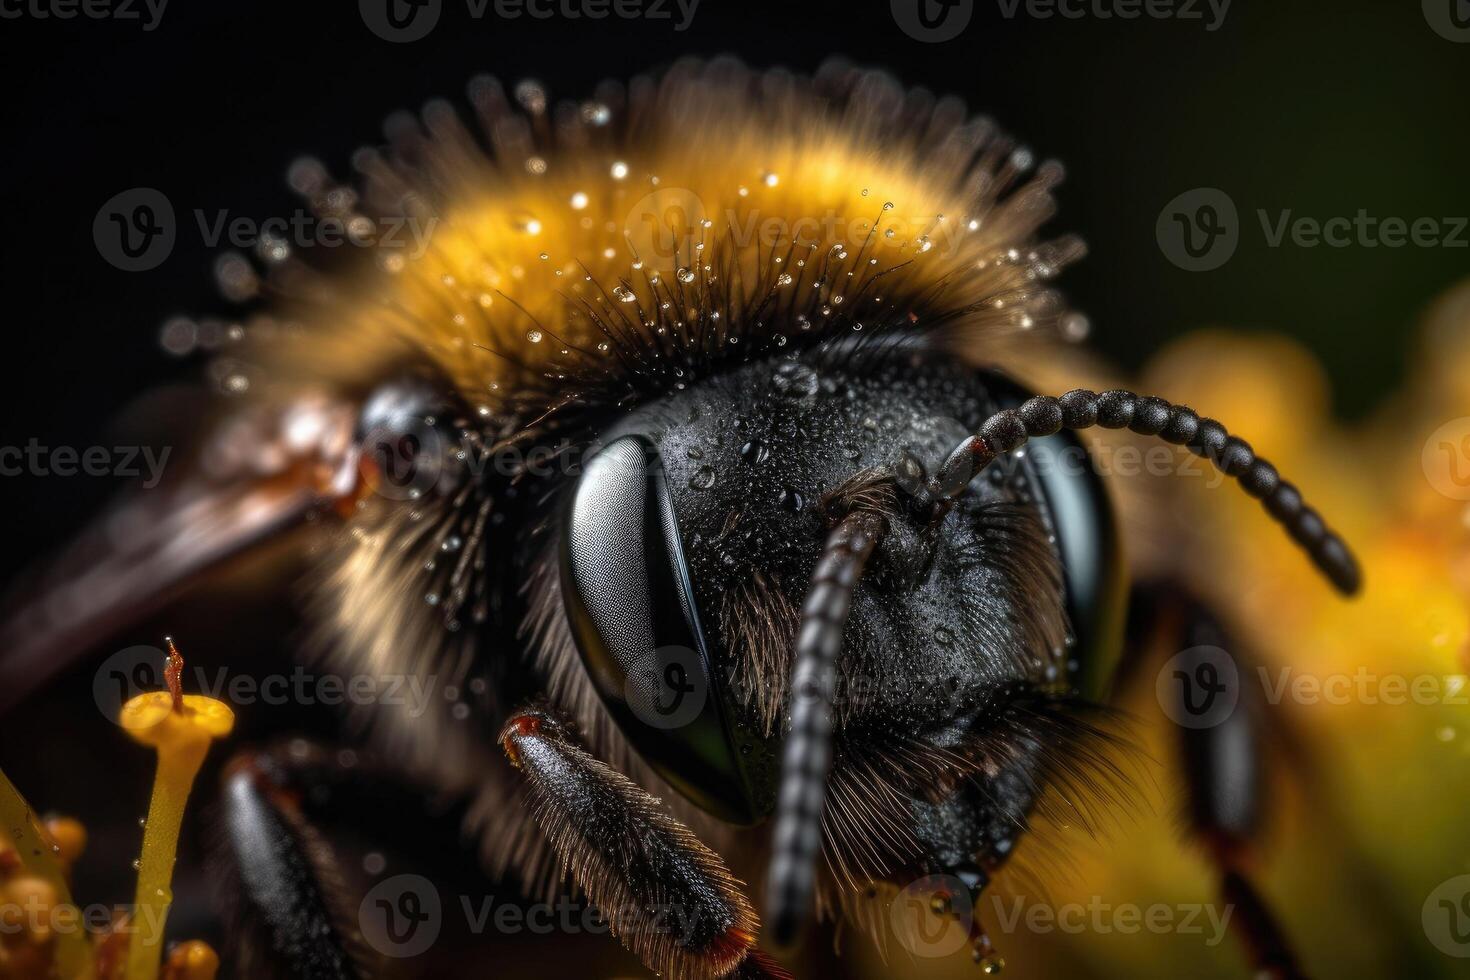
[1008, 430]
[808, 752]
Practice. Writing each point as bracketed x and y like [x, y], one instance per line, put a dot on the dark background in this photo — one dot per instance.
[1322, 107]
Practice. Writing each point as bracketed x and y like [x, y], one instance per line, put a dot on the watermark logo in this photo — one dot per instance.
[662, 228]
[135, 230]
[1446, 459]
[1199, 229]
[670, 692]
[1199, 687]
[1450, 19]
[402, 458]
[125, 675]
[932, 916]
[1446, 917]
[401, 916]
[932, 21]
[400, 21]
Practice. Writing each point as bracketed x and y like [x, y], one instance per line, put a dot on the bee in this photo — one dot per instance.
[698, 444]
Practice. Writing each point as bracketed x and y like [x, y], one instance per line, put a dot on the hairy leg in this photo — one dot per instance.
[667, 897]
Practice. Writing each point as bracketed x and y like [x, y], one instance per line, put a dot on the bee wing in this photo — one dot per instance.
[262, 473]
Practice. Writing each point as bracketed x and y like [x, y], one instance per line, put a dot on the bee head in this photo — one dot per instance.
[689, 543]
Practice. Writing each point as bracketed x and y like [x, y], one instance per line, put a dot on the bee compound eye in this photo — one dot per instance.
[632, 610]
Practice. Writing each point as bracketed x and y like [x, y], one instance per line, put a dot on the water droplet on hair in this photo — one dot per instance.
[1075, 327]
[624, 294]
[534, 336]
[685, 275]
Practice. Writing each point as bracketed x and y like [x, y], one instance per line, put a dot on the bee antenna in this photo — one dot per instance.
[807, 755]
[1008, 430]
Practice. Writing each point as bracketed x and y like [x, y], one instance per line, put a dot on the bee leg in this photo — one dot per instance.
[276, 875]
[667, 897]
[1222, 736]
[293, 829]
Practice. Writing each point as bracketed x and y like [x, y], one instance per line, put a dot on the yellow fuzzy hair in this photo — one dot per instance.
[884, 207]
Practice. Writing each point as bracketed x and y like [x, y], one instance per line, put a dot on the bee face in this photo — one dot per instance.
[712, 506]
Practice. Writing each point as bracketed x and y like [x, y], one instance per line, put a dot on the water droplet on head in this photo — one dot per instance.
[702, 478]
[794, 381]
[791, 500]
[754, 451]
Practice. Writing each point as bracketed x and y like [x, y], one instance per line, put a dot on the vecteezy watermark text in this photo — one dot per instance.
[404, 21]
[34, 459]
[1211, 12]
[148, 12]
